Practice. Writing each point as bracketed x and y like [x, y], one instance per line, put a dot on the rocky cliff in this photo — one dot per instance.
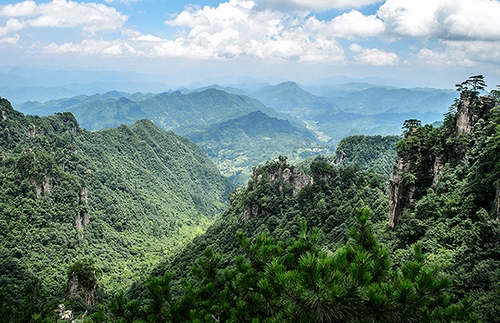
[425, 151]
[284, 177]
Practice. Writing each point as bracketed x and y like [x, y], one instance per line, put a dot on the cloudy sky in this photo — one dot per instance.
[428, 42]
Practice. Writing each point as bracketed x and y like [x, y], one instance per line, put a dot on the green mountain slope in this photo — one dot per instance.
[368, 152]
[443, 201]
[241, 143]
[289, 97]
[122, 198]
[258, 262]
[222, 123]
[279, 196]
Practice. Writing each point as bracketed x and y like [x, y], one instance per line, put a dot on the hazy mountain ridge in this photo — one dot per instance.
[210, 110]
[21, 84]
[361, 109]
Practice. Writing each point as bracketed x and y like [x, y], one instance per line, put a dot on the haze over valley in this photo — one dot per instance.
[249, 161]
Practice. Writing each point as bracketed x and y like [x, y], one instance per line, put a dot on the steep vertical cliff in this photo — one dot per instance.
[426, 152]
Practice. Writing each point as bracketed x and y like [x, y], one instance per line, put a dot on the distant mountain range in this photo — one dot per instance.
[224, 122]
[356, 108]
[237, 131]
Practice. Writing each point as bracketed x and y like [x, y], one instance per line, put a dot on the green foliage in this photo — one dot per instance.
[272, 280]
[473, 84]
[453, 213]
[375, 152]
[123, 197]
[243, 142]
[85, 272]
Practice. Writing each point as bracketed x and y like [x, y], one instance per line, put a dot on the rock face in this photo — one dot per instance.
[82, 281]
[416, 164]
[437, 169]
[498, 203]
[85, 290]
[82, 218]
[397, 189]
[470, 110]
[286, 178]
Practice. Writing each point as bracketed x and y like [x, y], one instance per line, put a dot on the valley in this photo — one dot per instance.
[219, 119]
[135, 223]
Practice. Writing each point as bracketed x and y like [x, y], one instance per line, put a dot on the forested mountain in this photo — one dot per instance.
[439, 249]
[209, 116]
[259, 262]
[170, 110]
[289, 97]
[368, 152]
[237, 132]
[356, 109]
[445, 192]
[237, 143]
[330, 240]
[115, 201]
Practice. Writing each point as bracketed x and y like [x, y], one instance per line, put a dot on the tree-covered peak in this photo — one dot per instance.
[123, 197]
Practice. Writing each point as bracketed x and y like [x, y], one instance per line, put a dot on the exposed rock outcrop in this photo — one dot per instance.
[399, 190]
[437, 169]
[44, 186]
[418, 161]
[498, 202]
[82, 218]
[471, 108]
[85, 289]
[285, 177]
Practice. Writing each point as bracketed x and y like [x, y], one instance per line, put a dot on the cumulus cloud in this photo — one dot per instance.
[312, 5]
[373, 56]
[10, 41]
[353, 24]
[234, 29]
[461, 54]
[12, 25]
[90, 17]
[445, 19]
[444, 59]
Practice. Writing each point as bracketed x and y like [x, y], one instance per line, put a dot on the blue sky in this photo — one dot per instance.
[426, 42]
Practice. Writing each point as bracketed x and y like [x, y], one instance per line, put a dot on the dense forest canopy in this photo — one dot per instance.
[334, 239]
[123, 198]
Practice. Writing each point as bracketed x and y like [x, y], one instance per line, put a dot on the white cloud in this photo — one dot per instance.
[150, 38]
[90, 17]
[12, 25]
[234, 29]
[10, 40]
[353, 24]
[461, 54]
[122, 1]
[21, 9]
[374, 56]
[444, 59]
[445, 19]
[94, 47]
[312, 5]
